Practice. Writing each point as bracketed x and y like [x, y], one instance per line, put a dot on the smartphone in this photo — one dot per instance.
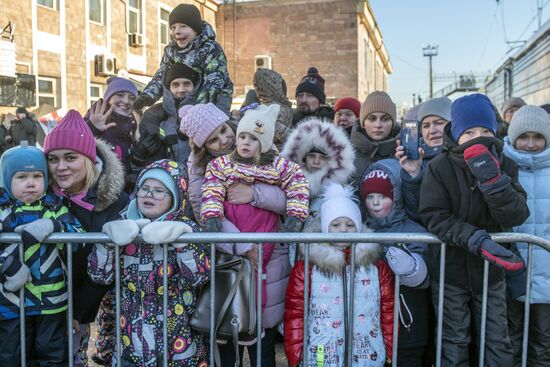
[410, 138]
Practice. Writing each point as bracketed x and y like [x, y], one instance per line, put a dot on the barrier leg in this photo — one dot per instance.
[527, 308]
[483, 313]
[440, 304]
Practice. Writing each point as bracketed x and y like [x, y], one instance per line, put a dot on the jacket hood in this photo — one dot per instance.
[179, 174]
[397, 214]
[320, 134]
[207, 34]
[330, 259]
[525, 160]
[111, 178]
[365, 145]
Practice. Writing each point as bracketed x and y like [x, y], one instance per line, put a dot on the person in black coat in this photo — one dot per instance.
[469, 190]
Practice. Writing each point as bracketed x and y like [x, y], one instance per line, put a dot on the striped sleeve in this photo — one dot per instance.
[213, 190]
[296, 186]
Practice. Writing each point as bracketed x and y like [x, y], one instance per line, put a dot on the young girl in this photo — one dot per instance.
[193, 42]
[381, 194]
[27, 207]
[254, 160]
[527, 144]
[161, 198]
[329, 287]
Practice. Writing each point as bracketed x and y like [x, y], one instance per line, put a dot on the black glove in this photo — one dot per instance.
[213, 225]
[292, 224]
[143, 100]
[481, 243]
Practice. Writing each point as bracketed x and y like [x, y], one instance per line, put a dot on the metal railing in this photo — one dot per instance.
[72, 239]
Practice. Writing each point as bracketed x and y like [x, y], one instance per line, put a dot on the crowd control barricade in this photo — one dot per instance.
[72, 239]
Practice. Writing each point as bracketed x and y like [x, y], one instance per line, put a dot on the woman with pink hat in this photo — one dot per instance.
[90, 178]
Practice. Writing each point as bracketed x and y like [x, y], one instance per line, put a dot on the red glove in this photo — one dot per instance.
[482, 163]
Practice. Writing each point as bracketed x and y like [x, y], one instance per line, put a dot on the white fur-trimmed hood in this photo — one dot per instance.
[111, 178]
[317, 133]
[331, 260]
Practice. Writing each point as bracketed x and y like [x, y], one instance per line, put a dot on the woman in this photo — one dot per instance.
[433, 116]
[112, 120]
[90, 178]
[211, 135]
[374, 135]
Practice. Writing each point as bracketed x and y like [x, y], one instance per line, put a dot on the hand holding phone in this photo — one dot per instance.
[410, 138]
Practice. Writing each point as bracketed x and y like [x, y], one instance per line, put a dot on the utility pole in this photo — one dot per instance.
[430, 51]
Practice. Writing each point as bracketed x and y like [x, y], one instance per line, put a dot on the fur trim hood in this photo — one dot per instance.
[110, 183]
[331, 260]
[316, 133]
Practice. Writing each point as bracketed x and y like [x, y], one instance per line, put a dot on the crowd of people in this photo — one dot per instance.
[189, 164]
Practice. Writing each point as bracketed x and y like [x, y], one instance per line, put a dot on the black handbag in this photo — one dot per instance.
[234, 305]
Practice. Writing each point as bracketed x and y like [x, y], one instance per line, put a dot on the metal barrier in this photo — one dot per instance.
[211, 238]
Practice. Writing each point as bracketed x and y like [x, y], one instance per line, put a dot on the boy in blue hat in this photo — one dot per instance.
[26, 207]
[468, 191]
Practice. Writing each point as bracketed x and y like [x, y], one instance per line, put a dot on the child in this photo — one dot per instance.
[380, 191]
[372, 318]
[254, 160]
[194, 44]
[27, 207]
[469, 190]
[527, 144]
[161, 199]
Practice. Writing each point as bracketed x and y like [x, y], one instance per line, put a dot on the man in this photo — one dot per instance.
[23, 128]
[346, 113]
[509, 107]
[159, 128]
[310, 98]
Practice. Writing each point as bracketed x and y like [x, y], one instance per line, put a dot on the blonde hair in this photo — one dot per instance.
[92, 174]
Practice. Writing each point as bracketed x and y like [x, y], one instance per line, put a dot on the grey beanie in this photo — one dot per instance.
[512, 102]
[529, 119]
[440, 107]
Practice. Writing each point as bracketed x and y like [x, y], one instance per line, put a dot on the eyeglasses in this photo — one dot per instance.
[156, 194]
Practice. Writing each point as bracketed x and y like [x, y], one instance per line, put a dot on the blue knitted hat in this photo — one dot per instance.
[474, 110]
[22, 158]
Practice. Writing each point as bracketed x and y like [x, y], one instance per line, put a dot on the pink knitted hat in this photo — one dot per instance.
[199, 121]
[72, 133]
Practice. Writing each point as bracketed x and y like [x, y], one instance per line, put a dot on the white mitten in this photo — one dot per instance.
[165, 232]
[37, 231]
[122, 232]
[16, 273]
[409, 266]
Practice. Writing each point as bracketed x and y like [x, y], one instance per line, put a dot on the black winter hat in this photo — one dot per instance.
[21, 110]
[186, 14]
[312, 83]
[180, 70]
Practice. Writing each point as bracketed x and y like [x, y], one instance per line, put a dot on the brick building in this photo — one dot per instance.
[68, 48]
[339, 37]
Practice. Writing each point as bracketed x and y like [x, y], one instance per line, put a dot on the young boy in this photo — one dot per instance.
[161, 198]
[380, 191]
[27, 208]
[194, 44]
[468, 191]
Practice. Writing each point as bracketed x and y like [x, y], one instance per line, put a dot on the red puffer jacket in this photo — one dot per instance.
[294, 306]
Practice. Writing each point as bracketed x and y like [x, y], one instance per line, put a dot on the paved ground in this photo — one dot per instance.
[280, 354]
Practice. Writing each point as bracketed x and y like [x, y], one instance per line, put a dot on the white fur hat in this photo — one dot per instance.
[260, 122]
[338, 201]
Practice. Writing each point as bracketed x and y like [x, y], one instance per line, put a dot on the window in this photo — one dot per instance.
[47, 91]
[164, 27]
[96, 92]
[133, 8]
[48, 3]
[96, 10]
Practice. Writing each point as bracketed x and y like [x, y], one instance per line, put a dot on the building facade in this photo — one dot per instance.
[339, 37]
[68, 48]
[525, 74]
